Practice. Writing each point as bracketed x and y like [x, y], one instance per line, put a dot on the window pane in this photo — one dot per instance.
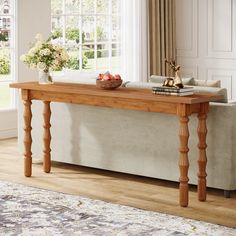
[103, 6]
[57, 23]
[5, 95]
[116, 59]
[89, 51]
[103, 56]
[5, 39]
[103, 50]
[74, 61]
[116, 6]
[5, 7]
[90, 66]
[57, 30]
[116, 53]
[88, 57]
[88, 28]
[72, 31]
[88, 6]
[72, 21]
[116, 28]
[5, 25]
[4, 64]
[115, 46]
[72, 6]
[56, 6]
[102, 28]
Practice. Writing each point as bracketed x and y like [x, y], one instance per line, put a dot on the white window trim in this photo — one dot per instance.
[135, 40]
[12, 49]
[8, 116]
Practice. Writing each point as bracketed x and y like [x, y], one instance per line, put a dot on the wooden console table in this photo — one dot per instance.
[124, 98]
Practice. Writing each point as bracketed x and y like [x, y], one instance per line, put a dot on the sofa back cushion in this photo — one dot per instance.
[161, 79]
[74, 76]
[216, 90]
[141, 85]
[188, 81]
[207, 83]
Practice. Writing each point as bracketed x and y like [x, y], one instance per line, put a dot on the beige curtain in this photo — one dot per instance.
[162, 35]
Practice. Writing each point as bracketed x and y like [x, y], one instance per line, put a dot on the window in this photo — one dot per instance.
[91, 32]
[7, 52]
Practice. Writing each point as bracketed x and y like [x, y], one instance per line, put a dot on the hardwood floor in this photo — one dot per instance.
[146, 193]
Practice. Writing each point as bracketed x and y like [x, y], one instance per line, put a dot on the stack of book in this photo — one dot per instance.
[173, 91]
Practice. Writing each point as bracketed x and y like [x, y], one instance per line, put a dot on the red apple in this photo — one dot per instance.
[112, 77]
[106, 77]
[117, 77]
[100, 76]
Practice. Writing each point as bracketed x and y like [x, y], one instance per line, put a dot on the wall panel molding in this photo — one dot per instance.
[206, 41]
[227, 78]
[221, 24]
[187, 34]
[189, 71]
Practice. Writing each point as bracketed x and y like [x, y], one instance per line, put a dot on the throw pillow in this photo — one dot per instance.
[207, 83]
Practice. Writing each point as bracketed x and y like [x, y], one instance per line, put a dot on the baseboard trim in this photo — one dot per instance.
[9, 133]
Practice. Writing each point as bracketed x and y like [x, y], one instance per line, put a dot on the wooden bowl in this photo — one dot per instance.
[108, 84]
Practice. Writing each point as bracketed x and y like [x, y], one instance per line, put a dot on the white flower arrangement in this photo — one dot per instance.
[45, 56]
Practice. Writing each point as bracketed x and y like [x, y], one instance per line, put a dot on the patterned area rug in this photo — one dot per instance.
[37, 212]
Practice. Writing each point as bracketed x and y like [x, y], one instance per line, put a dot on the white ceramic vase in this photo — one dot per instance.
[45, 77]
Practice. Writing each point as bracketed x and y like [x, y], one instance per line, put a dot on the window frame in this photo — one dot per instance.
[110, 42]
[11, 19]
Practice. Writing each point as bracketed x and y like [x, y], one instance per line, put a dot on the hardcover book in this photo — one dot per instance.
[172, 89]
[173, 93]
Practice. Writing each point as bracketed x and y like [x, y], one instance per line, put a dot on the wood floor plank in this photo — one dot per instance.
[145, 193]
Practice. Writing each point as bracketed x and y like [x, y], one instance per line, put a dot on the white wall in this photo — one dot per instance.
[206, 40]
[8, 123]
[34, 16]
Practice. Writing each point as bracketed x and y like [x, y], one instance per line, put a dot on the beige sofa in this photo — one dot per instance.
[139, 143]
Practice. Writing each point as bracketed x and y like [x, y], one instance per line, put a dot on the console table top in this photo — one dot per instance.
[125, 93]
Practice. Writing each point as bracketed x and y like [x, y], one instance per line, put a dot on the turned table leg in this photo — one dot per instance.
[183, 111]
[27, 138]
[202, 159]
[183, 161]
[47, 137]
